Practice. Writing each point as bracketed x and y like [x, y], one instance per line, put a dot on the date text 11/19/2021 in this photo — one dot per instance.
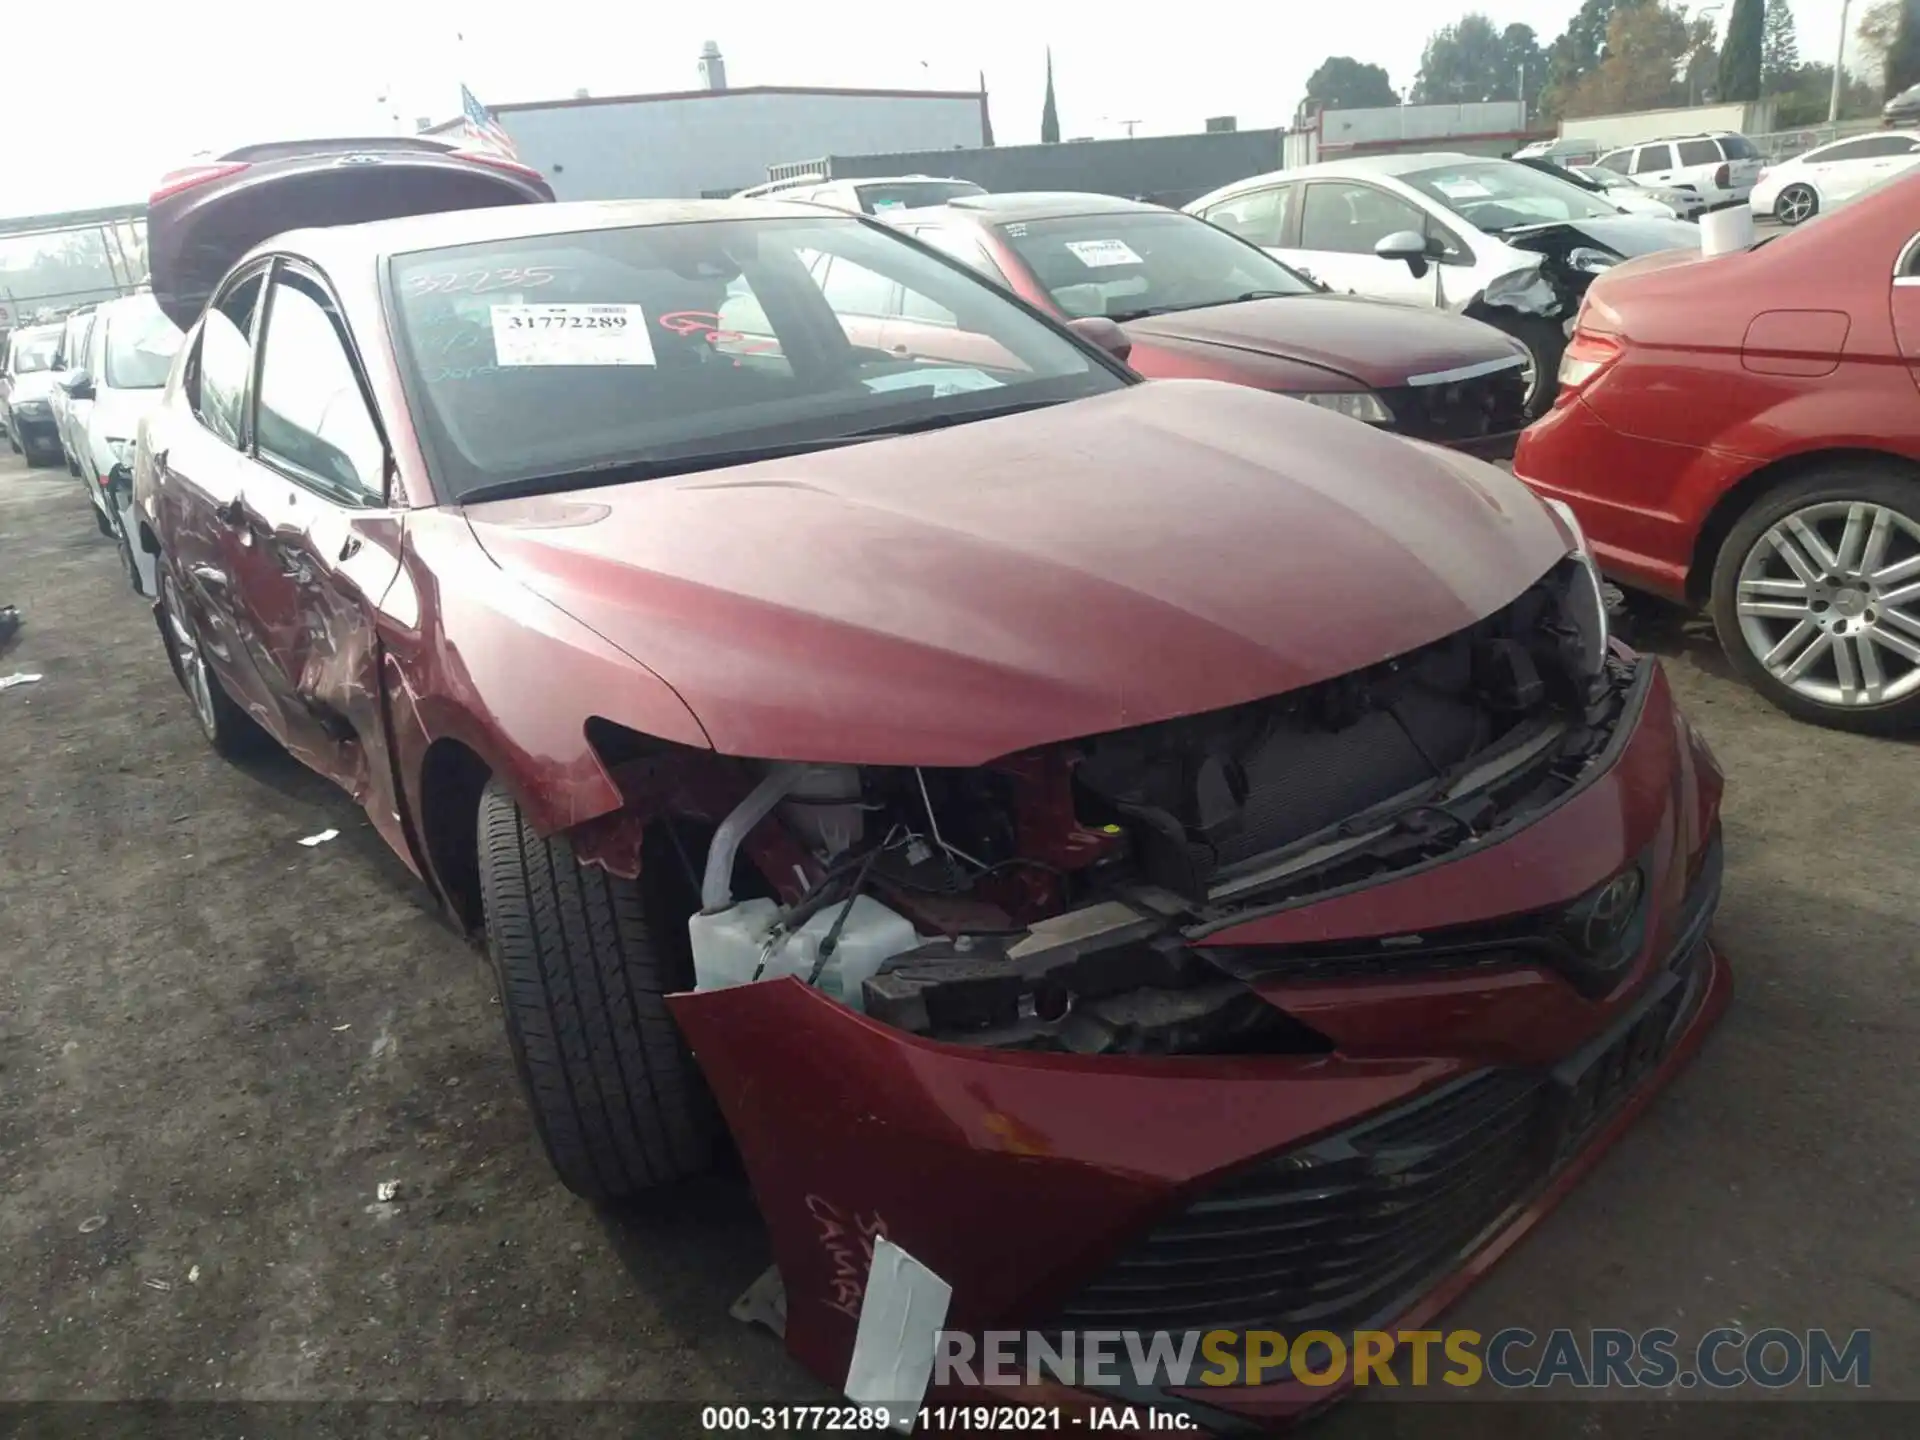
[935, 1419]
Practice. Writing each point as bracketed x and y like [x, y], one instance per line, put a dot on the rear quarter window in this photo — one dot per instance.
[1699, 152]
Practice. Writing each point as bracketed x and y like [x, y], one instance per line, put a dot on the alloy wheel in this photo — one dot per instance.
[191, 658]
[1795, 204]
[1828, 601]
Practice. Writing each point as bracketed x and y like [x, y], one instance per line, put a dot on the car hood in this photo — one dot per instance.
[1378, 343]
[951, 597]
[1625, 235]
[34, 385]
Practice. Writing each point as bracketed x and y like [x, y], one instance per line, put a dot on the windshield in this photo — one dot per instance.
[905, 194]
[35, 351]
[141, 344]
[676, 346]
[1128, 264]
[1496, 195]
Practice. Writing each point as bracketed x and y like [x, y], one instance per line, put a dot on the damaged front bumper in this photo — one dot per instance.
[1057, 1190]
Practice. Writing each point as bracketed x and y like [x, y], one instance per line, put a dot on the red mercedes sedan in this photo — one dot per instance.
[1156, 855]
[1743, 432]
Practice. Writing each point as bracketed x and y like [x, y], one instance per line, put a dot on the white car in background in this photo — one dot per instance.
[1830, 175]
[69, 416]
[1495, 240]
[1638, 199]
[1720, 165]
[120, 378]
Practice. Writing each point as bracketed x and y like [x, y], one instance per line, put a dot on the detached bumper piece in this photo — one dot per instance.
[1345, 1233]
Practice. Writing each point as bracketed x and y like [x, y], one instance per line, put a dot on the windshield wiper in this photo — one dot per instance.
[1120, 317]
[631, 470]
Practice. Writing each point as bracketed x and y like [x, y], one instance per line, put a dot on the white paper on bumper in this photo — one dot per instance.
[902, 1313]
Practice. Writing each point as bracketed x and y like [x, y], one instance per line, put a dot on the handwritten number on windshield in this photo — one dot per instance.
[480, 282]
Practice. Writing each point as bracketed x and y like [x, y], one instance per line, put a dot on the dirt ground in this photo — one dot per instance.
[215, 1044]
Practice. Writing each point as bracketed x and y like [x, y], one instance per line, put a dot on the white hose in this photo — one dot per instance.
[716, 891]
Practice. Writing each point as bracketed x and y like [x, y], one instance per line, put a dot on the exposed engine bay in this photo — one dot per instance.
[1052, 900]
[1572, 253]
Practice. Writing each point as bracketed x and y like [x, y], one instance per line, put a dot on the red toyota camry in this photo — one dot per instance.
[1743, 432]
[1162, 855]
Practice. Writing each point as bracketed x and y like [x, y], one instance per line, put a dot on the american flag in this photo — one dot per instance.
[479, 126]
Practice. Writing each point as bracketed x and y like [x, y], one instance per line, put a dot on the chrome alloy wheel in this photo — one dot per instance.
[190, 658]
[1828, 602]
[1795, 204]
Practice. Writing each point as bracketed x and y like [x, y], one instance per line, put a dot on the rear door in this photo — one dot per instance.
[1858, 165]
[1257, 216]
[1655, 165]
[314, 544]
[196, 468]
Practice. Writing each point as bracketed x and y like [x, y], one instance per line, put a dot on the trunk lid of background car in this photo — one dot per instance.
[196, 233]
[1375, 341]
[950, 597]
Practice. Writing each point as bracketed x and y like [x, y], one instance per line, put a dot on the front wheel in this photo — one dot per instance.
[584, 959]
[1544, 341]
[1816, 598]
[1796, 203]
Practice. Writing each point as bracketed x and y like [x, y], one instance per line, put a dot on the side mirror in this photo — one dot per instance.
[78, 384]
[1104, 333]
[1408, 245]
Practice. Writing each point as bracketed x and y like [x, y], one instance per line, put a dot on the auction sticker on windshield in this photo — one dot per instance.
[1096, 254]
[571, 335]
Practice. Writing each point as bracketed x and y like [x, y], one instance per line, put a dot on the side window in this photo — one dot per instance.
[1652, 158]
[962, 247]
[855, 290]
[1738, 147]
[1699, 152]
[1259, 216]
[915, 306]
[1351, 219]
[1616, 162]
[83, 344]
[217, 385]
[313, 419]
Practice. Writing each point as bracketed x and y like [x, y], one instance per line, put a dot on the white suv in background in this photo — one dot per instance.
[1721, 167]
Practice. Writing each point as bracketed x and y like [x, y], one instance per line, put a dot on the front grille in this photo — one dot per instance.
[1342, 1233]
[1460, 410]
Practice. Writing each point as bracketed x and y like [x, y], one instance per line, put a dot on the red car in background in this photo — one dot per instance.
[1743, 432]
[1161, 856]
[1195, 302]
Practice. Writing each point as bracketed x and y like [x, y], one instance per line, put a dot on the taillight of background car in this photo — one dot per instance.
[1723, 177]
[174, 181]
[1587, 355]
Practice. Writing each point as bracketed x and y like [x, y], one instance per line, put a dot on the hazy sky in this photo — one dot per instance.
[161, 81]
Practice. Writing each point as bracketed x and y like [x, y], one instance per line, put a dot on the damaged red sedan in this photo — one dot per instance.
[1164, 856]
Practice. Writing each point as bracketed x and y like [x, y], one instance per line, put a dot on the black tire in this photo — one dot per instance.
[232, 732]
[40, 459]
[1544, 340]
[101, 523]
[1885, 484]
[618, 1099]
[127, 557]
[1792, 214]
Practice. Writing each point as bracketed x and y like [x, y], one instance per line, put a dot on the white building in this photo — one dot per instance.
[716, 140]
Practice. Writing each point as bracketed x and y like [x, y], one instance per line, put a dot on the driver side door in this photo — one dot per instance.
[1340, 223]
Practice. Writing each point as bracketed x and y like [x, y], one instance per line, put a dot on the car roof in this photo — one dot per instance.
[373, 239]
[1039, 205]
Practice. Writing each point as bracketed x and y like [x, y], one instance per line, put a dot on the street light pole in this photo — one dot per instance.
[1839, 66]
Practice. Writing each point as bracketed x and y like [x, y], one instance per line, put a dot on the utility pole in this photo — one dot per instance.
[1839, 66]
[1523, 94]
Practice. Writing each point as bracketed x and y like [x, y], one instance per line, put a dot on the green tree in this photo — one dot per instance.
[1779, 48]
[1803, 100]
[1525, 61]
[1873, 33]
[1578, 51]
[1049, 113]
[1647, 46]
[1344, 83]
[1463, 63]
[1740, 57]
[1903, 51]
